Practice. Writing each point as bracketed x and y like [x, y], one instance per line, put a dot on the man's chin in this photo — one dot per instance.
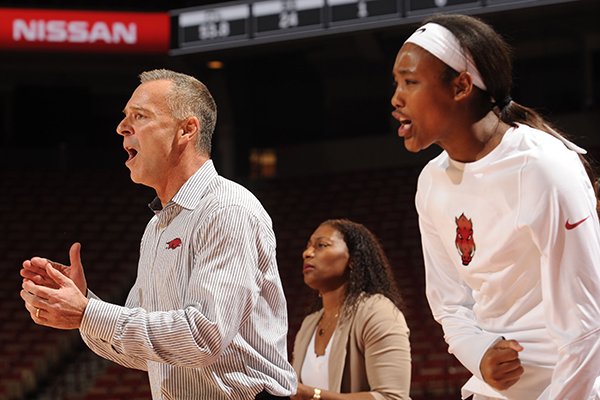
[133, 176]
[138, 178]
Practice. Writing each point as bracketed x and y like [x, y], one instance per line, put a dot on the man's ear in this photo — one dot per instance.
[462, 85]
[190, 128]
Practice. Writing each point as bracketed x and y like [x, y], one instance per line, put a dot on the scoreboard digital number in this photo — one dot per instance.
[355, 11]
[429, 5]
[276, 16]
[214, 24]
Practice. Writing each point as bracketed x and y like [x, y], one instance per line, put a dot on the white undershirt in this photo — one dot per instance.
[315, 369]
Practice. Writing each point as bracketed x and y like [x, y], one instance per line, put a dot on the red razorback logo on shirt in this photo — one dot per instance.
[173, 244]
[465, 244]
[569, 226]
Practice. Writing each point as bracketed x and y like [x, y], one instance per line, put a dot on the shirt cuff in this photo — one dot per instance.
[91, 295]
[100, 319]
[471, 353]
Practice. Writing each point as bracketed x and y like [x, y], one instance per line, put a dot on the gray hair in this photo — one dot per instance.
[188, 97]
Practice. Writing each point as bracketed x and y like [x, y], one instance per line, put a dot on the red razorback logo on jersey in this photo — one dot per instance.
[173, 244]
[465, 244]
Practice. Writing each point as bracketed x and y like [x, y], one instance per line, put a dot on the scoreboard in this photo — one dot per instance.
[229, 22]
[349, 11]
[273, 17]
[243, 23]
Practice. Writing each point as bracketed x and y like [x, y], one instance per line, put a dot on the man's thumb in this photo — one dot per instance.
[75, 256]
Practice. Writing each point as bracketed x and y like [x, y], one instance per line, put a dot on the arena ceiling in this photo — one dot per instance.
[295, 91]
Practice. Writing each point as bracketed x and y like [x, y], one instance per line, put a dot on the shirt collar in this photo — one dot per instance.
[189, 195]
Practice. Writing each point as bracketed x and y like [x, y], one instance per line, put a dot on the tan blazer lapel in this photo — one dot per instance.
[303, 340]
[337, 358]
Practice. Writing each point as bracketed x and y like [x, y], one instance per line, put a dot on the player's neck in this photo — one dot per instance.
[478, 139]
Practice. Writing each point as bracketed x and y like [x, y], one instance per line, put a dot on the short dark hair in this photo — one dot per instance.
[188, 97]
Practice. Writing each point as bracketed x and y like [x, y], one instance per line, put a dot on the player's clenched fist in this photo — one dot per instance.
[500, 365]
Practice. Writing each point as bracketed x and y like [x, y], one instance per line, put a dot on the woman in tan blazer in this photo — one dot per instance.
[355, 346]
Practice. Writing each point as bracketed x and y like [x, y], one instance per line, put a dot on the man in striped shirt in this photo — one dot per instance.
[207, 315]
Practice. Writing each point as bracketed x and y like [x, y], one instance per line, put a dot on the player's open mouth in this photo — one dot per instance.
[405, 125]
[131, 153]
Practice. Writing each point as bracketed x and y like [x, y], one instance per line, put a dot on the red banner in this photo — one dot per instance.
[94, 31]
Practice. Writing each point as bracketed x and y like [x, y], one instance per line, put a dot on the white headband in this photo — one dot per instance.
[442, 43]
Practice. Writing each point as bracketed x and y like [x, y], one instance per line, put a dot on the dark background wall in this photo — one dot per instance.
[281, 95]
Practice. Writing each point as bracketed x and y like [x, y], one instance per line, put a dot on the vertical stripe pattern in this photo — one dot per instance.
[207, 315]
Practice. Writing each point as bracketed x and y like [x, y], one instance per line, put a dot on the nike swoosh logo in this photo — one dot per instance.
[575, 225]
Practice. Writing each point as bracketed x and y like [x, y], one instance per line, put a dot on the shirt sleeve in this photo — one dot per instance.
[449, 297]
[223, 287]
[564, 225]
[102, 347]
[387, 350]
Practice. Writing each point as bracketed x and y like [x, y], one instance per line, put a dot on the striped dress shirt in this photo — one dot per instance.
[206, 316]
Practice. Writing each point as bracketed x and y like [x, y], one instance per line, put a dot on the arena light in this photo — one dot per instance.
[215, 64]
